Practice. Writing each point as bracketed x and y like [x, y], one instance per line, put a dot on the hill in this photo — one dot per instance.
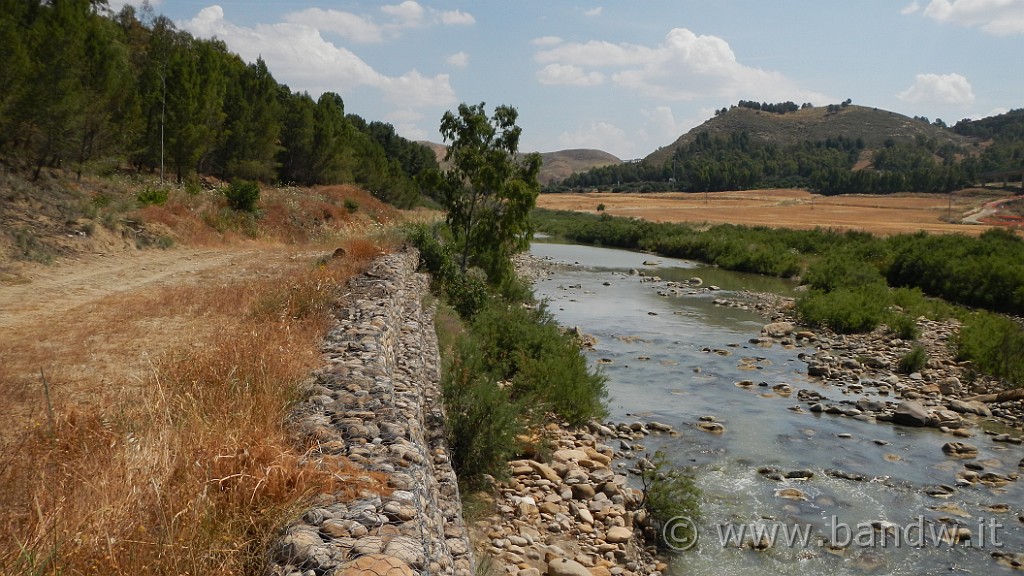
[557, 165]
[871, 125]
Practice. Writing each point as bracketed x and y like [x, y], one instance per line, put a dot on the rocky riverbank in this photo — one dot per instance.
[577, 513]
[863, 380]
[376, 402]
[859, 377]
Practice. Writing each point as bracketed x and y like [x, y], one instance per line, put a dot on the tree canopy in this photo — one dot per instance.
[487, 192]
[88, 89]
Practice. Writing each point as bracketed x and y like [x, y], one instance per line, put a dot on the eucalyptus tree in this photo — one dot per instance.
[487, 191]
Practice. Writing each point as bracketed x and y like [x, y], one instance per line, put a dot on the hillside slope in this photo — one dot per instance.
[872, 125]
[556, 166]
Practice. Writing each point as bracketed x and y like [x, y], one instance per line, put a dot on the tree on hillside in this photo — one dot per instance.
[488, 193]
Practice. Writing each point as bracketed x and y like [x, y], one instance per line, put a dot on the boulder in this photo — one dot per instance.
[950, 386]
[960, 450]
[778, 329]
[618, 535]
[969, 407]
[377, 564]
[566, 567]
[910, 413]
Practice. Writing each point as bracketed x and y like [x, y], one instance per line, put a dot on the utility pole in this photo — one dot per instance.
[163, 111]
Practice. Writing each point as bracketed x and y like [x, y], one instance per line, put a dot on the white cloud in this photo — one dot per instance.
[457, 18]
[408, 12]
[459, 59]
[598, 135]
[939, 89]
[660, 124]
[999, 17]
[406, 122]
[366, 29]
[911, 8]
[304, 59]
[347, 25]
[594, 12]
[568, 74]
[547, 41]
[684, 66]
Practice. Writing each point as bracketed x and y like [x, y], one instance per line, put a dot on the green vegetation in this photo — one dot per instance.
[243, 196]
[994, 345]
[487, 193]
[857, 282]
[913, 361]
[89, 90]
[671, 500]
[506, 363]
[152, 196]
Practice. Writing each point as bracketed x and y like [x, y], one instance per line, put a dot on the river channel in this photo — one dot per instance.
[679, 358]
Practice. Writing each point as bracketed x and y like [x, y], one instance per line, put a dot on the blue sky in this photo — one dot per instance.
[625, 77]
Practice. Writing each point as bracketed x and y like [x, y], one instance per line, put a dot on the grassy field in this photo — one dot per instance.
[144, 392]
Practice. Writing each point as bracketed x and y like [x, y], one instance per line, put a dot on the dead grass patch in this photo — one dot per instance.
[162, 448]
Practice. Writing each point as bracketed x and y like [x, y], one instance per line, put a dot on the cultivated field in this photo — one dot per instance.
[892, 214]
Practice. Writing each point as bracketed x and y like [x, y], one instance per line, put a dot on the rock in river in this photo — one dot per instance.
[910, 413]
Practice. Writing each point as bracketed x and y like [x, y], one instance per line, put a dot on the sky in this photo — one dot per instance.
[626, 77]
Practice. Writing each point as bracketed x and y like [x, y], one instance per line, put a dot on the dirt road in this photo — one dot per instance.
[47, 293]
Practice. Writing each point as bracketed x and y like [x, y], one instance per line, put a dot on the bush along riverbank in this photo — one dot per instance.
[523, 414]
[855, 282]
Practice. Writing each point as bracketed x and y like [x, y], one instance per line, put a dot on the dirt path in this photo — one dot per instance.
[50, 292]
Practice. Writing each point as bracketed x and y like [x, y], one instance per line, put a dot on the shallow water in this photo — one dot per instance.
[675, 359]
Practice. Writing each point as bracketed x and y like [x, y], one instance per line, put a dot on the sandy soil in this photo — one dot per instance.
[798, 209]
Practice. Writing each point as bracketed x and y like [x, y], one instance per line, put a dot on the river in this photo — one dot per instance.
[676, 359]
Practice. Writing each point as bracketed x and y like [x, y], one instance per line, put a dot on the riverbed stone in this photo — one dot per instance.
[910, 413]
[960, 450]
[566, 567]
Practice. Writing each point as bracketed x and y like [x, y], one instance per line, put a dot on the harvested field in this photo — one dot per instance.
[788, 208]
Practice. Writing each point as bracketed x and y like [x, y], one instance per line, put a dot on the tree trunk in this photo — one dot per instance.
[1004, 396]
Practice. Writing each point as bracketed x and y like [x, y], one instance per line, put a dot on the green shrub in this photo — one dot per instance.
[904, 327]
[243, 196]
[152, 196]
[351, 205]
[482, 420]
[913, 361]
[842, 269]
[600, 207]
[994, 344]
[845, 310]
[671, 500]
[542, 364]
[466, 293]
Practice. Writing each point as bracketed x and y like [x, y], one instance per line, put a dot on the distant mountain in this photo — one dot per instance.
[557, 165]
[814, 124]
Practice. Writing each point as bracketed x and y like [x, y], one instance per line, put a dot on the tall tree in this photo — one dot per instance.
[488, 193]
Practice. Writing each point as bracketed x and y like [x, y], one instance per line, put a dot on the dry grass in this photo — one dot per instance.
[152, 440]
[798, 209]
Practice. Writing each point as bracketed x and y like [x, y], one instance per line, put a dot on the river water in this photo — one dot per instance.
[676, 359]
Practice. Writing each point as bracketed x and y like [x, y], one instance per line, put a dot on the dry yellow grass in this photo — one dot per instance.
[144, 416]
[799, 209]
